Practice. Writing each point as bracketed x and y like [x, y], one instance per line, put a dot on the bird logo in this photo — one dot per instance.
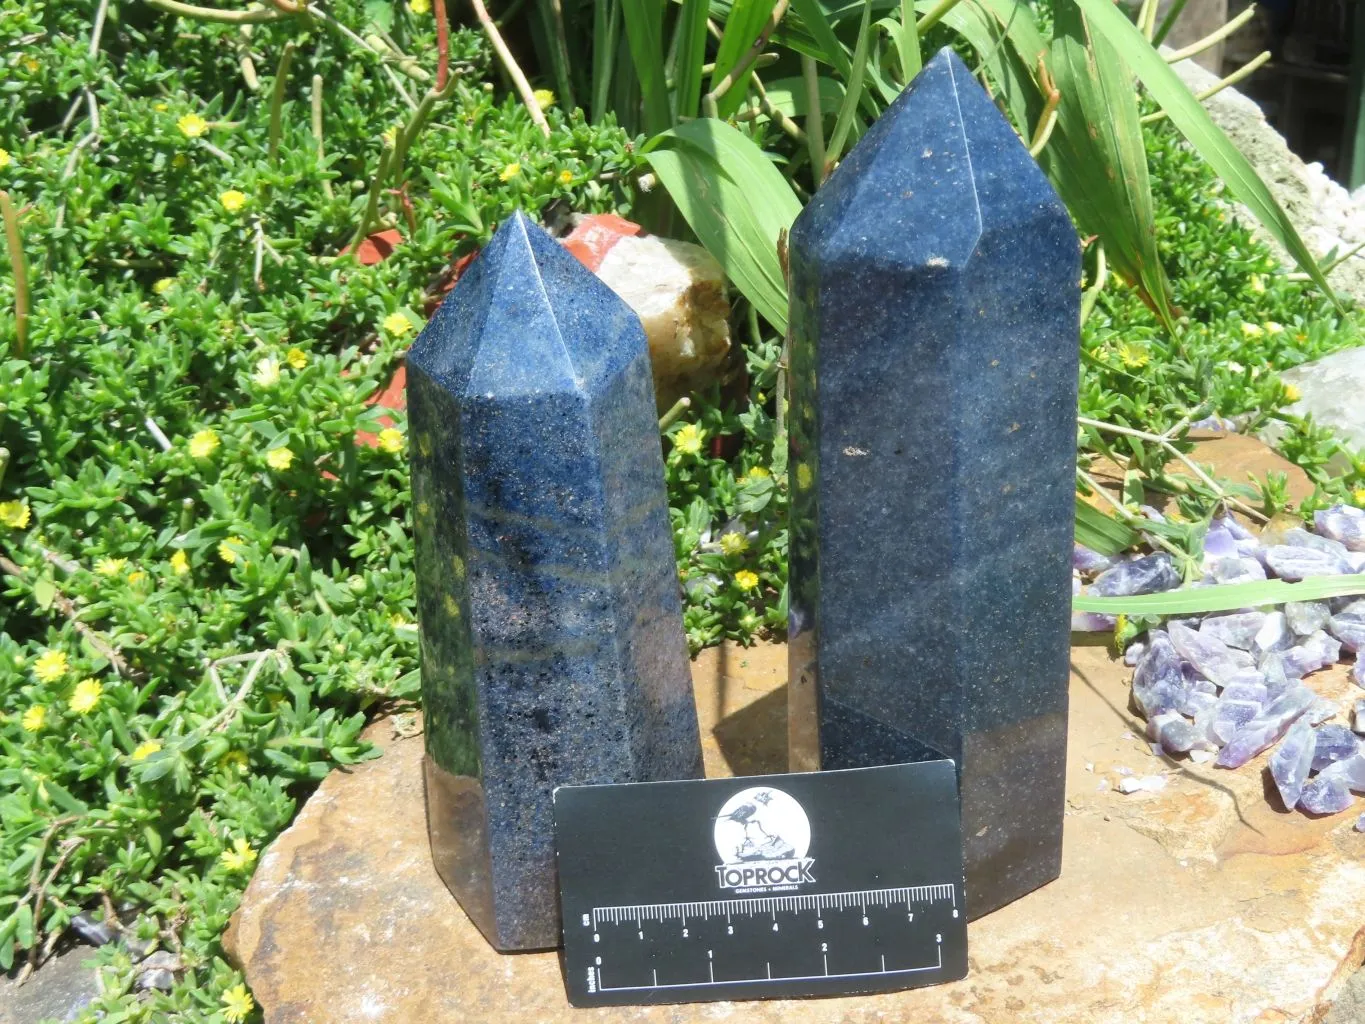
[761, 824]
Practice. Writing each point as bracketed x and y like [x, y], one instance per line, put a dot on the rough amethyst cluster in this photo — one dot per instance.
[1232, 682]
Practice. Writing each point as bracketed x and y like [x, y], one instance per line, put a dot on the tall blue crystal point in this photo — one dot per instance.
[551, 624]
[935, 320]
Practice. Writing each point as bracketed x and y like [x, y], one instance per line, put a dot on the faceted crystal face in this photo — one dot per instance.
[934, 290]
[552, 642]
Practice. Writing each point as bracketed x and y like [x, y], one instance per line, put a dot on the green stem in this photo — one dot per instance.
[212, 14]
[277, 99]
[933, 16]
[815, 124]
[16, 262]
[677, 409]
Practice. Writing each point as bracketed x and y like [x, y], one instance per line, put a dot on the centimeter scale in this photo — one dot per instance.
[773, 886]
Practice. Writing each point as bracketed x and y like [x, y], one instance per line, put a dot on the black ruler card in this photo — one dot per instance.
[771, 886]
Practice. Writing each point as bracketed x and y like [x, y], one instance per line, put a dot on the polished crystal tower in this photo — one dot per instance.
[552, 641]
[935, 321]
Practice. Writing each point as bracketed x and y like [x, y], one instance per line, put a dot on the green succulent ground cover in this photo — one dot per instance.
[207, 581]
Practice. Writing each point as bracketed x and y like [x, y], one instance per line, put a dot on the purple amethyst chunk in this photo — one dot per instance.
[1343, 524]
[1317, 652]
[1158, 683]
[1290, 764]
[1358, 716]
[1274, 635]
[1196, 701]
[1229, 716]
[1266, 727]
[1334, 743]
[1149, 574]
[1321, 710]
[1350, 772]
[1083, 559]
[1230, 523]
[1173, 733]
[1299, 563]
[1301, 538]
[1358, 670]
[1306, 617]
[1132, 655]
[1235, 630]
[1348, 626]
[1219, 543]
[1234, 570]
[1325, 795]
[1210, 657]
[1254, 692]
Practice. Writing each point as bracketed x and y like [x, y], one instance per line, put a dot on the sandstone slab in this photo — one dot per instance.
[1202, 903]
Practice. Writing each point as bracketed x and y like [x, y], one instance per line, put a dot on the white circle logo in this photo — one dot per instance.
[761, 824]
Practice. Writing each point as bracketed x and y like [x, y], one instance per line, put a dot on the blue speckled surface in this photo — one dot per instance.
[552, 643]
[935, 294]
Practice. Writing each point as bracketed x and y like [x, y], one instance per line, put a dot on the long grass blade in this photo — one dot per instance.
[736, 200]
[644, 32]
[747, 19]
[690, 43]
[1223, 598]
[1193, 121]
[1106, 185]
[606, 30]
[1102, 532]
[844, 122]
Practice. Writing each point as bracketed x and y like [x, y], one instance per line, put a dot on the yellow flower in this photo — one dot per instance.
[297, 358]
[267, 373]
[14, 514]
[234, 761]
[136, 577]
[228, 549]
[397, 324]
[86, 697]
[192, 125]
[163, 285]
[391, 440]
[237, 1002]
[1271, 327]
[1291, 393]
[240, 856]
[1359, 496]
[5, 158]
[544, 97]
[50, 666]
[688, 439]
[146, 749]
[1257, 283]
[279, 458]
[390, 136]
[110, 566]
[160, 108]
[1252, 330]
[804, 477]
[756, 473]
[34, 718]
[180, 563]
[203, 444]
[734, 543]
[1132, 356]
[566, 177]
[510, 171]
[419, 6]
[746, 580]
[232, 200]
[1120, 623]
[31, 64]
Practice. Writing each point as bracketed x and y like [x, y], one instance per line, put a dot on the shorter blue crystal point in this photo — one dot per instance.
[552, 643]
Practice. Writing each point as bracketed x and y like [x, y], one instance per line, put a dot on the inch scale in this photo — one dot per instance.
[775, 886]
[827, 938]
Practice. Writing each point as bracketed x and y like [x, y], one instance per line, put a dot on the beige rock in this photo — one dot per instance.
[678, 291]
[1201, 904]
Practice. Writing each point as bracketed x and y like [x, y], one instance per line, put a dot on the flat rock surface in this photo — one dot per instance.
[1201, 903]
[1331, 390]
